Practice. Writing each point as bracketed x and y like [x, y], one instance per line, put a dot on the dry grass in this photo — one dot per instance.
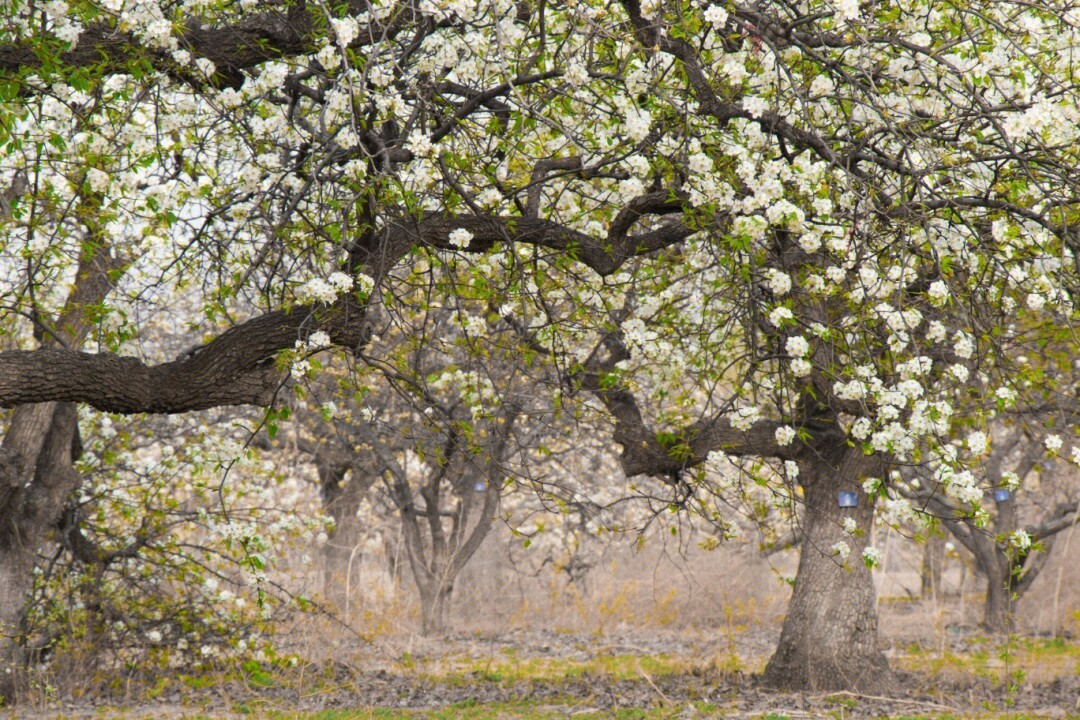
[637, 617]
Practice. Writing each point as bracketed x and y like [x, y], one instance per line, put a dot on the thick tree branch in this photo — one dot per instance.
[236, 368]
[602, 255]
[232, 47]
[1064, 516]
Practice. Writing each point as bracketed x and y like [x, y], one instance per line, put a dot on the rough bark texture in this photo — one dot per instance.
[829, 639]
[434, 605]
[15, 582]
[29, 514]
[37, 472]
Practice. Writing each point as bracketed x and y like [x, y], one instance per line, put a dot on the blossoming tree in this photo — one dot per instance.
[799, 233]
[434, 431]
[1012, 547]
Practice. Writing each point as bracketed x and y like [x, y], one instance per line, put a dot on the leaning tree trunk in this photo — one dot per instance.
[32, 497]
[829, 640]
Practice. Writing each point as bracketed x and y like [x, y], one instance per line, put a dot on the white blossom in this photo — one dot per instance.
[1020, 540]
[797, 346]
[460, 238]
[871, 556]
[716, 15]
[938, 292]
[778, 281]
[779, 315]
[977, 442]
[744, 418]
[800, 367]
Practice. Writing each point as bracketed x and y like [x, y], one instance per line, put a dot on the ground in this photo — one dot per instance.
[627, 674]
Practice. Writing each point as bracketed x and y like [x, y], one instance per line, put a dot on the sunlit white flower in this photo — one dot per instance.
[744, 418]
[797, 346]
[938, 292]
[851, 390]
[861, 428]
[716, 15]
[963, 345]
[460, 238]
[800, 367]
[778, 281]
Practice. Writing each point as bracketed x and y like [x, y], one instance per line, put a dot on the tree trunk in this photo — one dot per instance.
[29, 512]
[829, 640]
[341, 500]
[997, 613]
[434, 603]
[932, 563]
[16, 579]
[1001, 583]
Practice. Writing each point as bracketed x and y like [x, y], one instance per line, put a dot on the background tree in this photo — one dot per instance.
[1012, 549]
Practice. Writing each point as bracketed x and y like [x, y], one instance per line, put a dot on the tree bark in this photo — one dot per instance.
[829, 640]
[932, 564]
[342, 503]
[997, 612]
[434, 603]
[16, 579]
[30, 512]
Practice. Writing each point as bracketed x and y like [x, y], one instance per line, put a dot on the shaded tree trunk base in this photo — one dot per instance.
[997, 614]
[15, 581]
[830, 638]
[795, 670]
[433, 611]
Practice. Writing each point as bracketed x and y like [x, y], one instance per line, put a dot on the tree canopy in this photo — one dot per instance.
[833, 235]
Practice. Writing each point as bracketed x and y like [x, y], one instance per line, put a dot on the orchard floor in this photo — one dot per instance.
[621, 674]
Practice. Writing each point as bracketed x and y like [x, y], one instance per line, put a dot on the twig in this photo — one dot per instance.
[641, 671]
